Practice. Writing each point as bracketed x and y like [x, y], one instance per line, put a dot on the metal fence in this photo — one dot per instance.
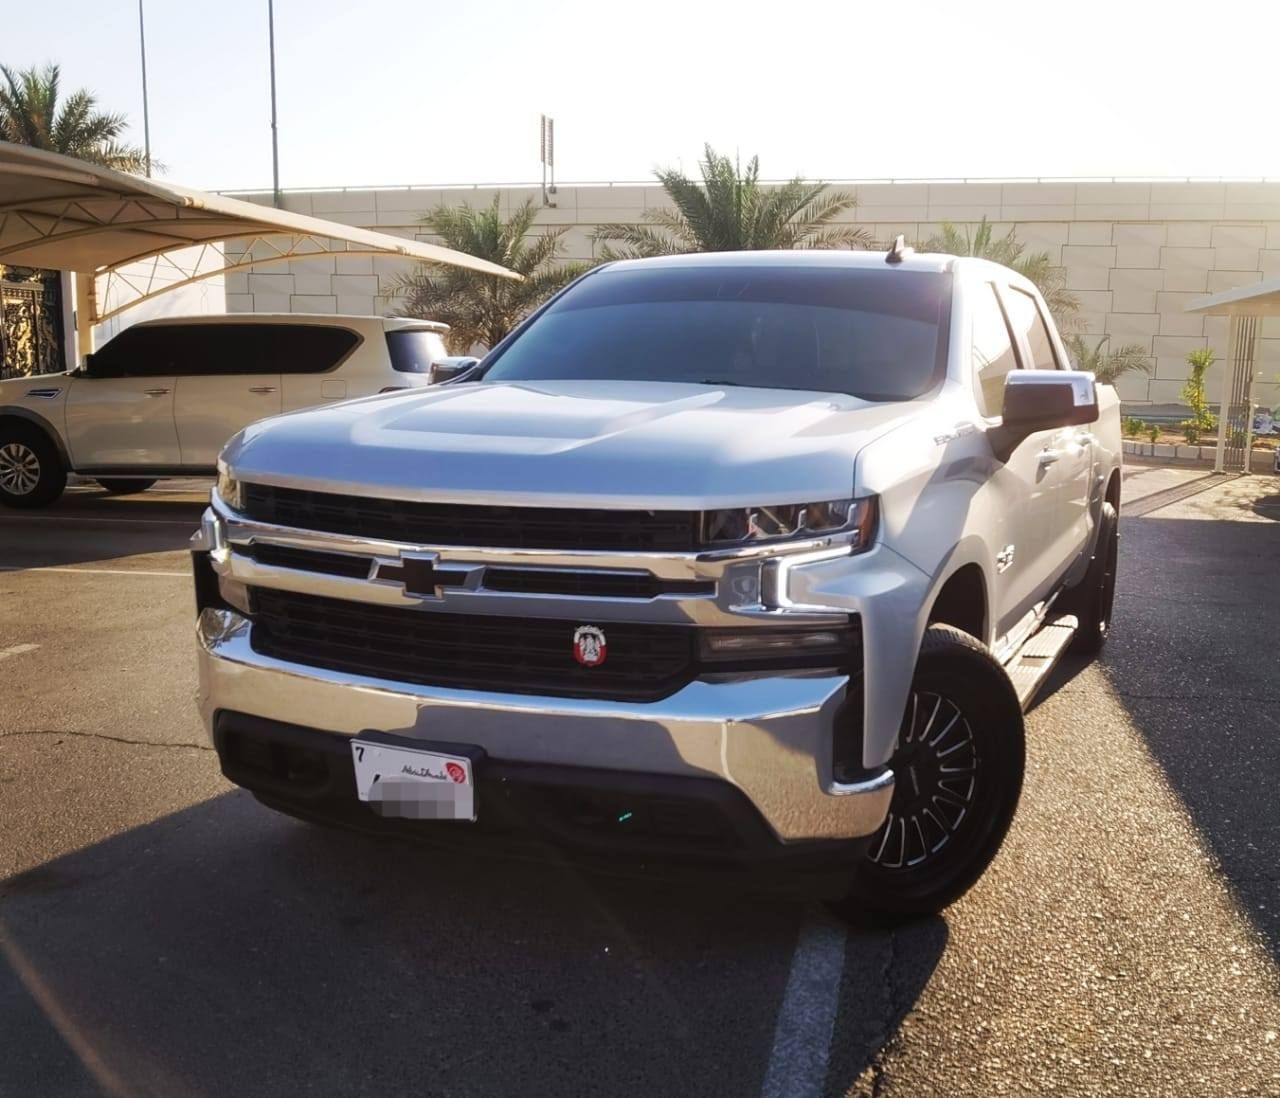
[1237, 428]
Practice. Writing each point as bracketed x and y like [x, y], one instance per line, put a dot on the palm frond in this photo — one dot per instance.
[480, 309]
[31, 114]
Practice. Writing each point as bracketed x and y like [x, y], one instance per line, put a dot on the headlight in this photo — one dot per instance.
[230, 490]
[752, 525]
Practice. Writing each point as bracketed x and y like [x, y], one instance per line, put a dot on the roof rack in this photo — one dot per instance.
[898, 250]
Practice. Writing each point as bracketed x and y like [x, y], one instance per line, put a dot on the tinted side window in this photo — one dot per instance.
[137, 352]
[414, 352]
[993, 356]
[1025, 317]
[205, 350]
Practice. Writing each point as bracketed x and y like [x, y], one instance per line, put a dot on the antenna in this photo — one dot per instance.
[898, 250]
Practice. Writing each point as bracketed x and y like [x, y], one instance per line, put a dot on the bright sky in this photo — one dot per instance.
[386, 92]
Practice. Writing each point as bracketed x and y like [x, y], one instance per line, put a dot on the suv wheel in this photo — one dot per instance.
[123, 486]
[31, 473]
[958, 774]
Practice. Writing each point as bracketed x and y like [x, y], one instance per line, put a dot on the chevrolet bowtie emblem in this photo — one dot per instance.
[421, 575]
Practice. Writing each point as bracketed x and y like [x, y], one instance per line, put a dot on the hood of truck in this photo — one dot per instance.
[573, 443]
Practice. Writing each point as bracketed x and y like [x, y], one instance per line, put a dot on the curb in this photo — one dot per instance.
[1260, 461]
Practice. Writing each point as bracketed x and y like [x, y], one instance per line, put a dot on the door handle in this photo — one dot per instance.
[156, 392]
[262, 388]
[1048, 457]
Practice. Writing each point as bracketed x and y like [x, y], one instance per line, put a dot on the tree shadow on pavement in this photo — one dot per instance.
[225, 950]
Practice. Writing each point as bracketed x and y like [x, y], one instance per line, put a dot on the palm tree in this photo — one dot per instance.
[1011, 252]
[30, 114]
[731, 211]
[479, 308]
[1107, 366]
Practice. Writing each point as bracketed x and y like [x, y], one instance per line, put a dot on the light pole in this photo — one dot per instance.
[146, 113]
[275, 144]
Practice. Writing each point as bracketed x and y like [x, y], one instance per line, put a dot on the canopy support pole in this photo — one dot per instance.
[86, 313]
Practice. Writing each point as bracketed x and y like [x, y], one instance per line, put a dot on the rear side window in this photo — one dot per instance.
[209, 350]
[993, 356]
[1024, 315]
[414, 352]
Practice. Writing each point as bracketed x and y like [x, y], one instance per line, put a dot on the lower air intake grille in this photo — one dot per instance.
[517, 655]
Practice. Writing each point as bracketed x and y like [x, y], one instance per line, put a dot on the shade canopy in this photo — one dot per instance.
[1256, 299]
[58, 212]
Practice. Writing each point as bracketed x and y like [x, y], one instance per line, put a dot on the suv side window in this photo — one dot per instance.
[993, 355]
[136, 352]
[209, 350]
[1024, 315]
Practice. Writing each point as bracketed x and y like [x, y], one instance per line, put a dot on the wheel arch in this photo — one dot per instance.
[962, 601]
[10, 414]
[1112, 494]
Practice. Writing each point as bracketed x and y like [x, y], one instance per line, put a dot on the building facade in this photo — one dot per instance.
[1134, 253]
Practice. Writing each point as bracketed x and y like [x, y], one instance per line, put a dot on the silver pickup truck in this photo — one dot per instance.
[748, 556]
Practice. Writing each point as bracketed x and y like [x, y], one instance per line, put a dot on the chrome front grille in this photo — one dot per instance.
[574, 582]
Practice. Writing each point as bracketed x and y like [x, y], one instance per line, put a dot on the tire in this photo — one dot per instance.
[124, 486]
[1093, 598]
[943, 831]
[31, 471]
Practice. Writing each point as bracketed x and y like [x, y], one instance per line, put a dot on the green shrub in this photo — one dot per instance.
[1131, 426]
[1153, 432]
[1202, 420]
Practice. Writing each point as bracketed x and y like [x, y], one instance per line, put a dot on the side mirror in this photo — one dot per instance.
[86, 367]
[451, 369]
[1042, 400]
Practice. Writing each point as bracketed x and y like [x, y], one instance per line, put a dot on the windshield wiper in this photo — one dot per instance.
[725, 381]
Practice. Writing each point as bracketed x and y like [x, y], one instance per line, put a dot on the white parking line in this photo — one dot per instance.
[17, 650]
[92, 571]
[802, 1038]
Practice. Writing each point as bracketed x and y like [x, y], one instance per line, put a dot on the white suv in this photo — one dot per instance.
[163, 397]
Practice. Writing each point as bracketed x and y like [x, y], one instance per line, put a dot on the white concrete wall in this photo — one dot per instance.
[1134, 252]
[198, 299]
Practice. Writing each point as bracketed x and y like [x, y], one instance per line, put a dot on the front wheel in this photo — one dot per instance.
[31, 472]
[958, 769]
[124, 486]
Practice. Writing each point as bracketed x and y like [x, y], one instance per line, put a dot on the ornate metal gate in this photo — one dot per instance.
[30, 323]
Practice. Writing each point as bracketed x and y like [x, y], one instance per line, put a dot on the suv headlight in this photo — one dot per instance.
[230, 490]
[736, 526]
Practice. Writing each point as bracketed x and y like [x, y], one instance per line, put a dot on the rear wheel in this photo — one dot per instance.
[958, 769]
[123, 486]
[1092, 599]
[31, 472]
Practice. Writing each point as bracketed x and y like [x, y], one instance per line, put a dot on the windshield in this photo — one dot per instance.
[877, 334]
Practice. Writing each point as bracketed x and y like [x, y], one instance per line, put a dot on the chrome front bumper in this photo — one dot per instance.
[771, 737]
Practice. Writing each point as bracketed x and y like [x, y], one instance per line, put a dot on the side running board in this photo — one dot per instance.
[1039, 655]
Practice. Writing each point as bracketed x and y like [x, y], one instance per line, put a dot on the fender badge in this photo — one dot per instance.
[589, 646]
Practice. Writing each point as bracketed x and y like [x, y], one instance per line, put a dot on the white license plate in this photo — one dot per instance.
[412, 783]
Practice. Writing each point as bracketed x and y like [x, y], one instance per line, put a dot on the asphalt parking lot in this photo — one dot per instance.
[162, 934]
